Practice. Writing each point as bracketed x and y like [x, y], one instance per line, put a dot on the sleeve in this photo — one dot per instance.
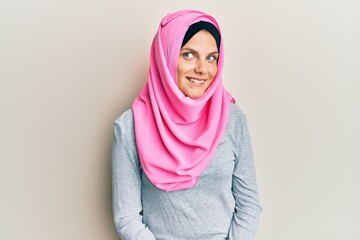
[244, 187]
[126, 186]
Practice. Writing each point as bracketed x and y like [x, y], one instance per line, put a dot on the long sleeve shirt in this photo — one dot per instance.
[224, 204]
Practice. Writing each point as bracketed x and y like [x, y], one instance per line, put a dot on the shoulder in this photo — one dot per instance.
[124, 124]
[126, 118]
[236, 120]
[236, 114]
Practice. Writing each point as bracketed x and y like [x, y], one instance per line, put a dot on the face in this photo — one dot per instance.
[197, 64]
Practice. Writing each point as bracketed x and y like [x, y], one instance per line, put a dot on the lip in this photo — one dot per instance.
[198, 82]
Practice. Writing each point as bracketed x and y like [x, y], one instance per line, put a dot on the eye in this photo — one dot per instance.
[188, 55]
[212, 58]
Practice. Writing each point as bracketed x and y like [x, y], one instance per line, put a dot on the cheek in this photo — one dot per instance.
[182, 69]
[213, 71]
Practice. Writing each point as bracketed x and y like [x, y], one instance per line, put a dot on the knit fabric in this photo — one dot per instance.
[176, 136]
[223, 205]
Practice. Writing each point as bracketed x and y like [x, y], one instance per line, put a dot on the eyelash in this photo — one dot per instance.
[215, 58]
[186, 55]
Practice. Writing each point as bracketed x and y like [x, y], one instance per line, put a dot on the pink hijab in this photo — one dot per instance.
[177, 136]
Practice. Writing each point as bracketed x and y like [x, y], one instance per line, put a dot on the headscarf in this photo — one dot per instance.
[177, 136]
[196, 27]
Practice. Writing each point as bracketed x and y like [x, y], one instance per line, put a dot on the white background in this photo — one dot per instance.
[68, 68]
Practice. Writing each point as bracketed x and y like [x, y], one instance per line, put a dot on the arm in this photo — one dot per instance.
[244, 187]
[126, 184]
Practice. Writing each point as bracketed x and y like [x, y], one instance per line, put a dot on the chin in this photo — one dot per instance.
[195, 96]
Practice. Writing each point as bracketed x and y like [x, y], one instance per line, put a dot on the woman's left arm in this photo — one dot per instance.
[244, 187]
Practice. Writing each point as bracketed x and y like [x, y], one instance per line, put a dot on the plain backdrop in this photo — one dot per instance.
[69, 68]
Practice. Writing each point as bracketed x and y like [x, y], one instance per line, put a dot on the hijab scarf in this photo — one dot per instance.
[177, 136]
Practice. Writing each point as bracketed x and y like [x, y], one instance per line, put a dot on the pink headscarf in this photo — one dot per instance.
[177, 136]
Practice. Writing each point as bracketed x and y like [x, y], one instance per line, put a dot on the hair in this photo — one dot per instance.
[196, 27]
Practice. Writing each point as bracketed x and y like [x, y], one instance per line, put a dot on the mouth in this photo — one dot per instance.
[196, 81]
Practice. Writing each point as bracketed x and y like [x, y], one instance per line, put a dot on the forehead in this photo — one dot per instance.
[202, 40]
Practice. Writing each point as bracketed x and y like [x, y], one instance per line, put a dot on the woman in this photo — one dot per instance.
[182, 158]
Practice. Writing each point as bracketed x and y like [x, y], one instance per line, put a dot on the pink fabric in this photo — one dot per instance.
[177, 136]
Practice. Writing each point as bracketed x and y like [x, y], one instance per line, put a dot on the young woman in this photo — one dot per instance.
[182, 159]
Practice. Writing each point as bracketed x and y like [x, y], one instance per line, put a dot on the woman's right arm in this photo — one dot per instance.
[126, 182]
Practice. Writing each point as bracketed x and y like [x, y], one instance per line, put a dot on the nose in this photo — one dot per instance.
[200, 67]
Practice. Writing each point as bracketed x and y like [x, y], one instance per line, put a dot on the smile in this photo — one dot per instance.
[196, 81]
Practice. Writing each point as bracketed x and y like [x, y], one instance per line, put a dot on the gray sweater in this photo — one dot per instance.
[223, 205]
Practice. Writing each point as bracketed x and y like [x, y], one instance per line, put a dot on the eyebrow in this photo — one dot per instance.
[193, 50]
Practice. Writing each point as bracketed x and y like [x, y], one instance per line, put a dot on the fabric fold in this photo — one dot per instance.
[177, 136]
